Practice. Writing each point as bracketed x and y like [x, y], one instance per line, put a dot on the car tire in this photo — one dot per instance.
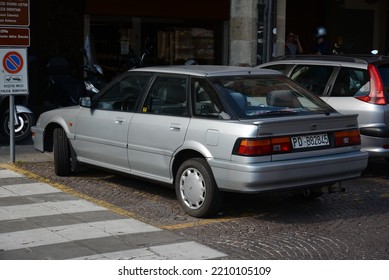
[196, 188]
[62, 154]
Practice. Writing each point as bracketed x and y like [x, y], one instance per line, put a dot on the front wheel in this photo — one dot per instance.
[196, 189]
[22, 127]
[62, 153]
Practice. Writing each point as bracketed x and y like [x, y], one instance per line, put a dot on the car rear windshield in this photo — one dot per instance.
[252, 97]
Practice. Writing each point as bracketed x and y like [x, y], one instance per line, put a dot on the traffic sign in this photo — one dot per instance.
[18, 37]
[13, 62]
[15, 12]
[13, 72]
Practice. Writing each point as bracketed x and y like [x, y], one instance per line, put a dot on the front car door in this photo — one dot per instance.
[101, 132]
[159, 129]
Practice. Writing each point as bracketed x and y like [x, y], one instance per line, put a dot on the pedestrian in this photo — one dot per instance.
[321, 46]
[293, 45]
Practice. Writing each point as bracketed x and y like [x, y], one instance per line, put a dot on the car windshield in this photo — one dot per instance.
[252, 97]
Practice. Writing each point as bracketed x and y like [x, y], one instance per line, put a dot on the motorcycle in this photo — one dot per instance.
[23, 116]
[64, 89]
[94, 79]
[138, 62]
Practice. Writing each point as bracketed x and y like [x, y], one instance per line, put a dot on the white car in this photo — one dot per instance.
[207, 129]
[353, 84]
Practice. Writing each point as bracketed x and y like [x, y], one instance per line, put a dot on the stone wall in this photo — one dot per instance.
[243, 32]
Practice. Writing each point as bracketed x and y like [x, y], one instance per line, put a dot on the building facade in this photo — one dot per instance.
[232, 32]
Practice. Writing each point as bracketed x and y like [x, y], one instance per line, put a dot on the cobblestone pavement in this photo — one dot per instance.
[350, 225]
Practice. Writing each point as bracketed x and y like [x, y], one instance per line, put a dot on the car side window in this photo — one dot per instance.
[205, 101]
[312, 77]
[351, 81]
[124, 95]
[167, 96]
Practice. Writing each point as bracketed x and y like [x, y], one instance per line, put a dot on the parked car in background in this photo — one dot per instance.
[207, 129]
[350, 84]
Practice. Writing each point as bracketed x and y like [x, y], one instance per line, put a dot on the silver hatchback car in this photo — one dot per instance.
[351, 85]
[207, 129]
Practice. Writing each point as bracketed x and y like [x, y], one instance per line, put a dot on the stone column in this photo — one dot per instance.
[243, 32]
[280, 25]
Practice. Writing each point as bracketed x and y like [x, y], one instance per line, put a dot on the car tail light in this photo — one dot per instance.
[376, 95]
[263, 146]
[347, 138]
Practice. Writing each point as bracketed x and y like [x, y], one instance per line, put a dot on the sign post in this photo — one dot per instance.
[13, 81]
[14, 32]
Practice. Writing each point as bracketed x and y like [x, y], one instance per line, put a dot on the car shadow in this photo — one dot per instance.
[365, 196]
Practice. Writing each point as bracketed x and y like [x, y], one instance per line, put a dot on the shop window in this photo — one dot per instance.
[180, 45]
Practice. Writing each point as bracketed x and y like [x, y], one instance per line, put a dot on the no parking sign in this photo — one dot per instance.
[13, 72]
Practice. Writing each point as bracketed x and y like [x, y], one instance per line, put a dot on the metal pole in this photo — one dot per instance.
[11, 127]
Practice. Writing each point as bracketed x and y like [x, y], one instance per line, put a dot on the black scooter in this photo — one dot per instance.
[64, 89]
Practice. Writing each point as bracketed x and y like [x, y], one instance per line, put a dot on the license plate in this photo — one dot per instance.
[308, 141]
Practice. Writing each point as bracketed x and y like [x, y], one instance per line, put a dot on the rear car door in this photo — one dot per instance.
[159, 129]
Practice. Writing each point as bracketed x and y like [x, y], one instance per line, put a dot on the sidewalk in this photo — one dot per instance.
[41, 221]
[23, 152]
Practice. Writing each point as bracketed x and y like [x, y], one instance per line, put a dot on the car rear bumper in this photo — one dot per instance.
[375, 140]
[290, 174]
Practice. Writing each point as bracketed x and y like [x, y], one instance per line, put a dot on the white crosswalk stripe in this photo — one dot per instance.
[46, 209]
[9, 174]
[59, 234]
[21, 189]
[24, 208]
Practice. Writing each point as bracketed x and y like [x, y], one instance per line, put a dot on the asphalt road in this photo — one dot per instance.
[353, 225]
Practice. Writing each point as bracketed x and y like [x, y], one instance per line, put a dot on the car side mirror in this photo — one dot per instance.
[85, 102]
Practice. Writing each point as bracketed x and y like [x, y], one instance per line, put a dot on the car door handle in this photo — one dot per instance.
[119, 120]
[175, 126]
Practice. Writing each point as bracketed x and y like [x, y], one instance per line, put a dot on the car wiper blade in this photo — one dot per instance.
[280, 112]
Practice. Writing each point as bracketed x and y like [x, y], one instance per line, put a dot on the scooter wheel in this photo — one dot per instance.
[22, 128]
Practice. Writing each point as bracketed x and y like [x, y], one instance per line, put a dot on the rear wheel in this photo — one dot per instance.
[62, 154]
[22, 128]
[196, 189]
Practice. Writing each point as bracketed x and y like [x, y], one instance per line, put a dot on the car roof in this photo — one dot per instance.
[206, 70]
[348, 58]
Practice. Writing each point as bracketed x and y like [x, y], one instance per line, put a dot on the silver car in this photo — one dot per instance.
[351, 85]
[207, 129]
